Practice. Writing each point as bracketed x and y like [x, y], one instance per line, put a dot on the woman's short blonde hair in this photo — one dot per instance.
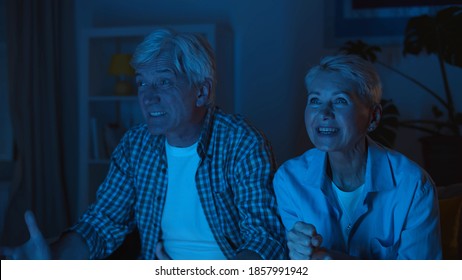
[355, 68]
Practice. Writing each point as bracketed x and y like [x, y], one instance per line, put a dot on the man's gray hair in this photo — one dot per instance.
[193, 56]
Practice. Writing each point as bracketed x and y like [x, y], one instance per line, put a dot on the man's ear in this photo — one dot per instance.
[376, 116]
[203, 93]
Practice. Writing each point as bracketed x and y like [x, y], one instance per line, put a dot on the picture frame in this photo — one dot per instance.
[378, 22]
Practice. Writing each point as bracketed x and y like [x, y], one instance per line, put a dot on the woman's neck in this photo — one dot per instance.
[348, 169]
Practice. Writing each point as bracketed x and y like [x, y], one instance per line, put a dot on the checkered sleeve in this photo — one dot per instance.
[107, 221]
[260, 224]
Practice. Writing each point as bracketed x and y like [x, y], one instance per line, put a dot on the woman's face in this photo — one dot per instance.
[336, 118]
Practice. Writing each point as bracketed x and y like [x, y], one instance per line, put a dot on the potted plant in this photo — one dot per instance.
[439, 35]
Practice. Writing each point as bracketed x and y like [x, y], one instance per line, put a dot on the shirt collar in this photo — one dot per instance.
[203, 148]
[158, 142]
[379, 174]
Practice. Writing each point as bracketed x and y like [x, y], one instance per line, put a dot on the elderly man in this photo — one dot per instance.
[196, 182]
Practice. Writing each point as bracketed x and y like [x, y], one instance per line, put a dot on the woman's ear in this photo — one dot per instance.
[376, 116]
[203, 93]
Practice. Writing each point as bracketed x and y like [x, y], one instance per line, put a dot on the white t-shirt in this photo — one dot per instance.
[186, 233]
[348, 202]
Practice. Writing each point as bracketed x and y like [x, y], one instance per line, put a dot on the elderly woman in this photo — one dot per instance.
[349, 197]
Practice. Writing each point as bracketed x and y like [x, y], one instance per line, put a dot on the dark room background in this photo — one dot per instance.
[264, 48]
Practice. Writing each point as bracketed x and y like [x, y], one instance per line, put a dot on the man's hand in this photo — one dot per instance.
[303, 241]
[36, 248]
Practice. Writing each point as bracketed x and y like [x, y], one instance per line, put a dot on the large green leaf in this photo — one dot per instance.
[440, 34]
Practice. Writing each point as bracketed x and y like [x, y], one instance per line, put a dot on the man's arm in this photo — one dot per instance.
[260, 224]
[70, 246]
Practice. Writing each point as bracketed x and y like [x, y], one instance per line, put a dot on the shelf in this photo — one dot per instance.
[113, 98]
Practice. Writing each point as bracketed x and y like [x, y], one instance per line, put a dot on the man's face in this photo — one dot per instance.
[336, 118]
[168, 101]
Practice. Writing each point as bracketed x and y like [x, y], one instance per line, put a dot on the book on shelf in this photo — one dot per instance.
[104, 138]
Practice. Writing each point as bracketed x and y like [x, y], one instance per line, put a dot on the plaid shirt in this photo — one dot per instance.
[234, 182]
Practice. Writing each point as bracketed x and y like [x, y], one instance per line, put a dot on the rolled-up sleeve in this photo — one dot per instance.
[260, 224]
[107, 221]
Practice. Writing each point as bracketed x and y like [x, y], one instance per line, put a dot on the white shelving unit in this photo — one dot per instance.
[101, 112]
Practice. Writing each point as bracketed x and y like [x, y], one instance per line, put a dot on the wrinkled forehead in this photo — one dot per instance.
[337, 81]
[163, 61]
